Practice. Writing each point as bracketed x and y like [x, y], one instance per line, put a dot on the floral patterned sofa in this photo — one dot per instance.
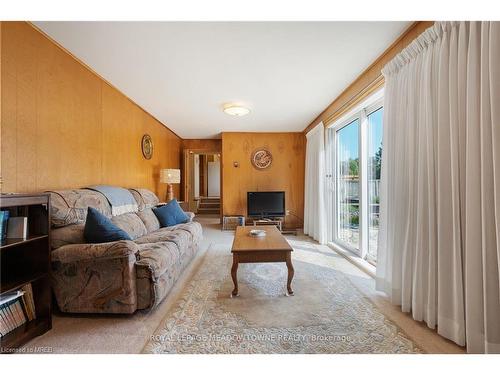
[120, 276]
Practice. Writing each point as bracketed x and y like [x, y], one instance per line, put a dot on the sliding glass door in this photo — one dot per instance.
[347, 182]
[354, 155]
[374, 133]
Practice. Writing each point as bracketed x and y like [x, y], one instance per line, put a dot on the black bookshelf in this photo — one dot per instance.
[28, 261]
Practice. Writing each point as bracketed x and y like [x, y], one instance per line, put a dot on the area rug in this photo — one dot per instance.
[327, 314]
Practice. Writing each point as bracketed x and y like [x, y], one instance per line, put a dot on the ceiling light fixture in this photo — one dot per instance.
[235, 110]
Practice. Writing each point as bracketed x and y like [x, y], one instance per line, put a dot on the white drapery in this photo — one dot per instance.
[439, 241]
[314, 202]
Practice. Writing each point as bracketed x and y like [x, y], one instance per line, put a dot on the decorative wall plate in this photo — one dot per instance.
[147, 146]
[261, 158]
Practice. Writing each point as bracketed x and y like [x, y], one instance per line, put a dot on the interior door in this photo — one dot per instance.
[213, 180]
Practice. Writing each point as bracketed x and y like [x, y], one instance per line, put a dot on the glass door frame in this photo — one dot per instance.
[361, 112]
[336, 174]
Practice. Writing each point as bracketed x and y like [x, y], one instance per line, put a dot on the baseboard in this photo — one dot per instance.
[362, 264]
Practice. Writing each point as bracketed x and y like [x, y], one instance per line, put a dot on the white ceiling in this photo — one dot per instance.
[182, 72]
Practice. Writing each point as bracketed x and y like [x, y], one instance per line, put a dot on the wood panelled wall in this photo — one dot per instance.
[65, 127]
[285, 173]
[370, 79]
[202, 145]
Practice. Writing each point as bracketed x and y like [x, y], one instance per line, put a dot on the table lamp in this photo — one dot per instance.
[169, 177]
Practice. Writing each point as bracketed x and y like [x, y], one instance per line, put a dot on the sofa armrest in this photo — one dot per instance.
[91, 251]
[95, 278]
[191, 216]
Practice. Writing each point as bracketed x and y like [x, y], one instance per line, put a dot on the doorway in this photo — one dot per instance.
[203, 185]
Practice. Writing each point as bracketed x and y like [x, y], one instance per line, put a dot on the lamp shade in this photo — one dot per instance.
[170, 176]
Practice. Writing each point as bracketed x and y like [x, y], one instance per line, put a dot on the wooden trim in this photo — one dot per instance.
[210, 145]
[370, 79]
[363, 94]
[96, 74]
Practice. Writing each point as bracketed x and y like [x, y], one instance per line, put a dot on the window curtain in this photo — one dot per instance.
[439, 241]
[314, 203]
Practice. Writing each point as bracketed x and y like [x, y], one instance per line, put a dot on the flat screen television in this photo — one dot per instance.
[266, 203]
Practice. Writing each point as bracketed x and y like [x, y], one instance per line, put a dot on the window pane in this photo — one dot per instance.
[374, 164]
[348, 184]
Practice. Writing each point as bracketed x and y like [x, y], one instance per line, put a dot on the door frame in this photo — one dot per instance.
[188, 173]
[361, 112]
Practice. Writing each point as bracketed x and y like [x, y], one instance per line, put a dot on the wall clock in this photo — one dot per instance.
[261, 158]
[147, 146]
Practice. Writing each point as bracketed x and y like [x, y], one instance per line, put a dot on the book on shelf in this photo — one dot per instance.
[29, 301]
[4, 218]
[12, 316]
[16, 309]
[17, 227]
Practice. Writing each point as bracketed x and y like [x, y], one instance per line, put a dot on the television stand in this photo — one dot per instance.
[275, 221]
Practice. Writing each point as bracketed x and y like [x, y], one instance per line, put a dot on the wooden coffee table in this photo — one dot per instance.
[271, 248]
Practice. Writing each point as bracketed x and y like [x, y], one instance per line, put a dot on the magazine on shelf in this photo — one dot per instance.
[17, 227]
[4, 218]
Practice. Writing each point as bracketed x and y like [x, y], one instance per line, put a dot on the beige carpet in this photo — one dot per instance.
[110, 333]
[106, 333]
[327, 314]
[94, 333]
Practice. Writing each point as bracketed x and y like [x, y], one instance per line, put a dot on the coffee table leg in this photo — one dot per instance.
[291, 272]
[234, 271]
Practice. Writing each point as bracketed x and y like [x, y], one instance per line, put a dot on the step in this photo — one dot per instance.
[209, 205]
[208, 211]
[209, 208]
[209, 199]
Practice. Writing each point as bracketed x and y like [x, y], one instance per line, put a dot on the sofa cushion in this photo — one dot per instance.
[181, 234]
[154, 259]
[157, 273]
[149, 219]
[170, 214]
[70, 206]
[165, 234]
[70, 234]
[95, 278]
[130, 223]
[99, 229]
[151, 293]
[145, 198]
[193, 227]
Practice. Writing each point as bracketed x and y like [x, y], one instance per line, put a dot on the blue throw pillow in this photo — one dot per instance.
[98, 228]
[170, 214]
